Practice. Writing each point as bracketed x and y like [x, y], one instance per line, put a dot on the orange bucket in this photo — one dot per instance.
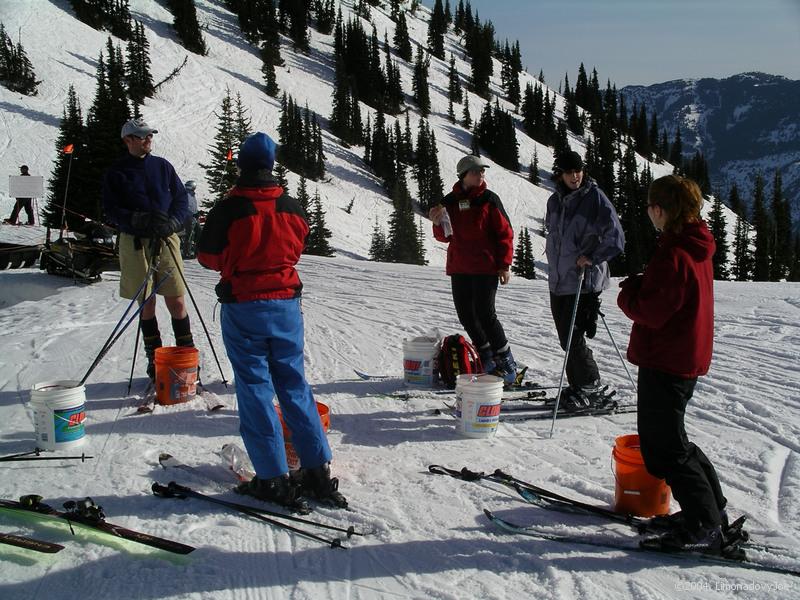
[176, 374]
[637, 491]
[291, 454]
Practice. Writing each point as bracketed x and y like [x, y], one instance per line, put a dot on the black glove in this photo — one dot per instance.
[162, 225]
[140, 223]
[588, 311]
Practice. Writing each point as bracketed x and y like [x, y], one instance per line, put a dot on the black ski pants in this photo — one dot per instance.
[474, 296]
[581, 368]
[20, 204]
[668, 454]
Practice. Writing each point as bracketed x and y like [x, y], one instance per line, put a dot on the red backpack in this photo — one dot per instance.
[457, 357]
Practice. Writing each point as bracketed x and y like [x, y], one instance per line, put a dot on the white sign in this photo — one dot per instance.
[31, 186]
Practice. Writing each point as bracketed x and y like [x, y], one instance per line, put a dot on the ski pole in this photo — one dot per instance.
[181, 489]
[622, 360]
[173, 490]
[199, 316]
[106, 348]
[82, 458]
[35, 451]
[566, 352]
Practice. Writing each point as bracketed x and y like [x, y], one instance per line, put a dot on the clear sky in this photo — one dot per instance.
[649, 41]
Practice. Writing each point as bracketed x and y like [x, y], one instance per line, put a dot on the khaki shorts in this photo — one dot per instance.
[133, 266]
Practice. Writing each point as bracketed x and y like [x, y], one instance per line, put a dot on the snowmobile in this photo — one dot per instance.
[83, 257]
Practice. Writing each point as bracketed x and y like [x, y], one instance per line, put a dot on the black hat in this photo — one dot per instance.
[569, 160]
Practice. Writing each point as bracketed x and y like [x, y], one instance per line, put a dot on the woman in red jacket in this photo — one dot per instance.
[672, 308]
[479, 255]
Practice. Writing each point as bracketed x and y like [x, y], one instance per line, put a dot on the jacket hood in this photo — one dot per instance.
[695, 239]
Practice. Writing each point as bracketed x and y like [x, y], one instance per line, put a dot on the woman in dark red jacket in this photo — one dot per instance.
[672, 308]
[480, 252]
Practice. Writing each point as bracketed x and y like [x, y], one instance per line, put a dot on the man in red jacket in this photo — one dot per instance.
[254, 238]
[479, 256]
[672, 308]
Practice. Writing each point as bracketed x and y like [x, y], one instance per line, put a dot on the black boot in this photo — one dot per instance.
[279, 490]
[317, 483]
[152, 340]
[183, 332]
[699, 539]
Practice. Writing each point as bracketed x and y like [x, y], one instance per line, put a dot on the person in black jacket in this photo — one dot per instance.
[22, 203]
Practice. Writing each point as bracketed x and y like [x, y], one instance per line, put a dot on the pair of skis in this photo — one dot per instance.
[84, 513]
[737, 539]
[29, 543]
[271, 517]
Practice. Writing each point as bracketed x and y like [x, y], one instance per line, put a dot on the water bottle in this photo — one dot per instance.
[445, 224]
[237, 461]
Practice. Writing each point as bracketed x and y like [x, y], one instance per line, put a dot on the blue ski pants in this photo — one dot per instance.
[264, 341]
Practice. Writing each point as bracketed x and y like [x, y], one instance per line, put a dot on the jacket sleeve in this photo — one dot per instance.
[654, 298]
[113, 187]
[438, 233]
[504, 233]
[179, 208]
[213, 240]
[608, 239]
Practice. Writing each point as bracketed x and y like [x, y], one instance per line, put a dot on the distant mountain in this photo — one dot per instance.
[742, 124]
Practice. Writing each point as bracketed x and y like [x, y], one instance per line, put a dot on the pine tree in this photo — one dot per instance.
[318, 236]
[377, 247]
[279, 173]
[402, 43]
[763, 229]
[524, 265]
[717, 225]
[480, 42]
[298, 24]
[16, 70]
[533, 174]
[741, 267]
[781, 216]
[325, 11]
[437, 27]
[466, 118]
[68, 168]
[402, 244]
[454, 91]
[426, 168]
[270, 48]
[186, 25]
[676, 152]
[137, 67]
[420, 83]
[221, 171]
[304, 200]
[794, 269]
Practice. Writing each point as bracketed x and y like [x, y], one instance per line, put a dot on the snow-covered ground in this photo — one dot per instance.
[428, 536]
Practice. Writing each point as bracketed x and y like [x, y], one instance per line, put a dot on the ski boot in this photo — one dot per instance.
[505, 366]
[700, 539]
[317, 483]
[280, 490]
[486, 354]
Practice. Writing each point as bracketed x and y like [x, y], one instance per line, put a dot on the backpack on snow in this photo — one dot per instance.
[457, 357]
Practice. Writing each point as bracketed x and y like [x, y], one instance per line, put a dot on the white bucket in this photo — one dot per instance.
[478, 400]
[419, 361]
[58, 414]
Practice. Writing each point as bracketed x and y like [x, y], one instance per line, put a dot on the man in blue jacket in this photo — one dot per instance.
[583, 232]
[145, 199]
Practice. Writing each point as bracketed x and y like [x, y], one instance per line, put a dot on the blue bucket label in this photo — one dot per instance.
[68, 424]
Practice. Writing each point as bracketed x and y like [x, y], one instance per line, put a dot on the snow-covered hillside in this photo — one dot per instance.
[427, 535]
[64, 51]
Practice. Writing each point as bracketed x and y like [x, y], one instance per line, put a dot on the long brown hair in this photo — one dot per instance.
[679, 197]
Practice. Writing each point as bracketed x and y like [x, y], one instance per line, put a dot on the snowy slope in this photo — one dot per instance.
[428, 537]
[64, 50]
